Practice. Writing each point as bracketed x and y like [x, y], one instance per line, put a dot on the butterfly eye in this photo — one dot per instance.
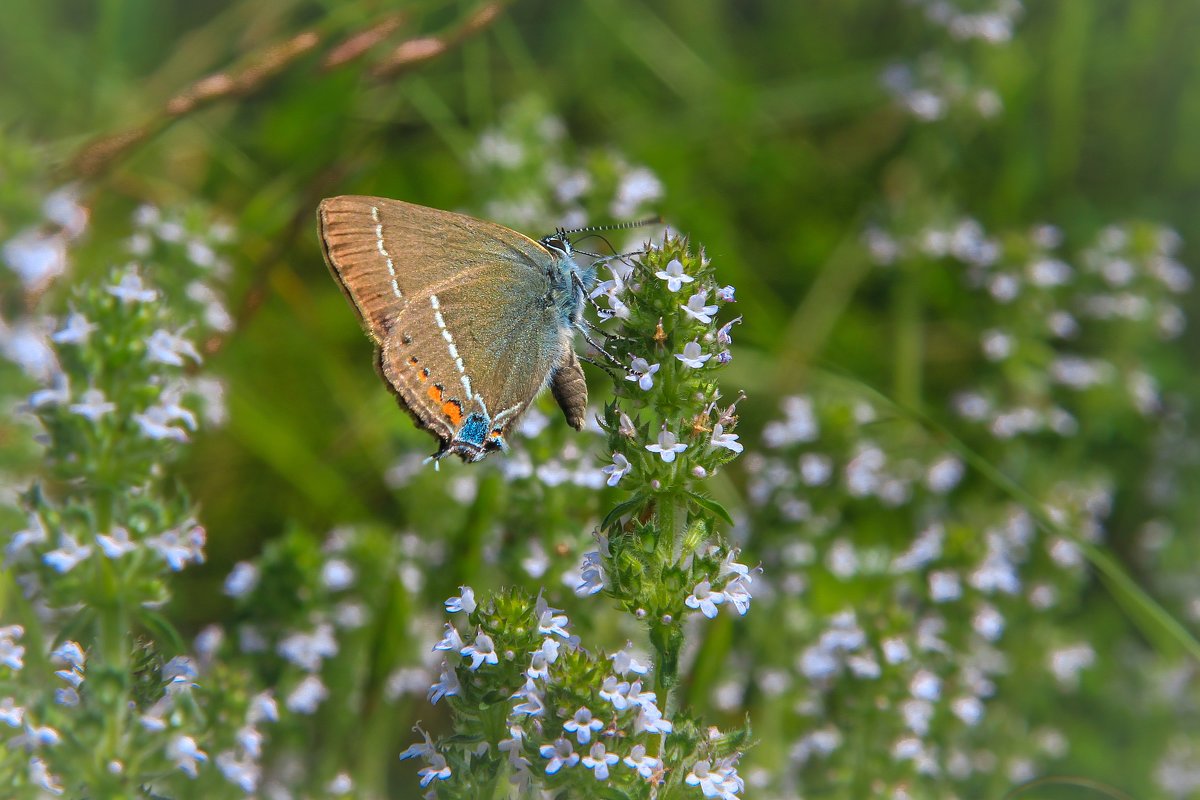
[558, 244]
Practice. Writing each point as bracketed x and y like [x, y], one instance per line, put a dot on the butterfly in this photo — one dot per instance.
[470, 320]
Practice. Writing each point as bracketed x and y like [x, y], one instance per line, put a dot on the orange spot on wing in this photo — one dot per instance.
[435, 393]
[453, 410]
[412, 360]
[423, 375]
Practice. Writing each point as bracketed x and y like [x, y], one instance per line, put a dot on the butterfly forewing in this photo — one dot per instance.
[459, 307]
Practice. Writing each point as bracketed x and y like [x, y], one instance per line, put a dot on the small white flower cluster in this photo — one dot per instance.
[734, 593]
[38, 254]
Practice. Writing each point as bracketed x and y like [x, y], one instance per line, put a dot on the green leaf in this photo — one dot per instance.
[620, 509]
[711, 506]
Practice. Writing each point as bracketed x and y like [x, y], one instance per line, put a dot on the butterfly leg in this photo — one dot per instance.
[613, 360]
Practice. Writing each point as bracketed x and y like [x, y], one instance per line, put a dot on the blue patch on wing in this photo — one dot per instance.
[474, 429]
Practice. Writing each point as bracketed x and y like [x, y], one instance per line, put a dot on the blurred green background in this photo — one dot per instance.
[765, 120]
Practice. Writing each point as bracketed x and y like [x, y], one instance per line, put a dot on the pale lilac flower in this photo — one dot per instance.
[11, 714]
[307, 695]
[68, 555]
[674, 275]
[696, 308]
[644, 765]
[642, 373]
[481, 650]
[241, 579]
[337, 575]
[624, 662]
[33, 533]
[709, 781]
[39, 775]
[309, 650]
[155, 423]
[667, 446]
[543, 657]
[243, 772]
[618, 469]
[591, 575]
[582, 725]
[180, 545]
[737, 594]
[117, 544]
[531, 698]
[693, 355]
[550, 622]
[76, 330]
[705, 599]
[450, 640]
[93, 405]
[512, 746]
[438, 769]
[725, 294]
[12, 655]
[561, 754]
[164, 347]
[36, 257]
[130, 289]
[464, 602]
[616, 308]
[447, 684]
[727, 440]
[724, 336]
[599, 760]
[650, 719]
[263, 708]
[186, 755]
[637, 187]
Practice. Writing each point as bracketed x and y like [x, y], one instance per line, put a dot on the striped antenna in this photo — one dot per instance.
[618, 227]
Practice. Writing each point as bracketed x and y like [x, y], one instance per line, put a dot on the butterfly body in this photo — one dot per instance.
[471, 320]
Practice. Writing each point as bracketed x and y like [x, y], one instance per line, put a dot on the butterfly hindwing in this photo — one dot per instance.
[462, 311]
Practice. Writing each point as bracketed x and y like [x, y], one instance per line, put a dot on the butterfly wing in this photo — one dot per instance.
[462, 310]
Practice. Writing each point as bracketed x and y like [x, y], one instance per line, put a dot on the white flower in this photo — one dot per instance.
[702, 775]
[450, 640]
[117, 544]
[696, 308]
[307, 695]
[308, 650]
[337, 575]
[642, 373]
[186, 755]
[725, 294]
[650, 719]
[241, 579]
[481, 650]
[561, 754]
[618, 469]
[693, 355]
[11, 714]
[532, 704]
[543, 657]
[131, 290]
[37, 258]
[625, 663]
[599, 760]
[68, 555]
[644, 765]
[76, 330]
[93, 405]
[727, 440]
[438, 769]
[155, 423]
[667, 446]
[737, 594]
[723, 333]
[674, 275]
[549, 622]
[591, 575]
[446, 686]
[164, 347]
[180, 545]
[625, 426]
[464, 602]
[705, 599]
[582, 725]
[39, 775]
